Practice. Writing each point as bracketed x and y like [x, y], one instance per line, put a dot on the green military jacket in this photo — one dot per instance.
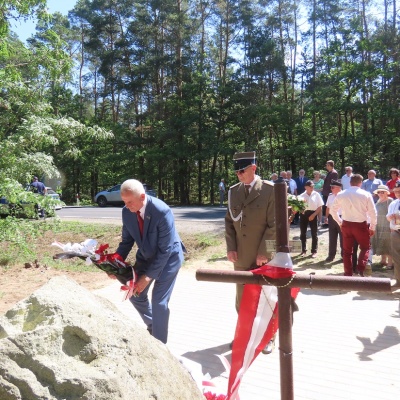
[249, 222]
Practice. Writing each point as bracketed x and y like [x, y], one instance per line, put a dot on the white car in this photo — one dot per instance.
[112, 196]
[55, 196]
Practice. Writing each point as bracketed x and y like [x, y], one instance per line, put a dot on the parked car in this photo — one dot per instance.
[19, 209]
[55, 196]
[24, 204]
[112, 196]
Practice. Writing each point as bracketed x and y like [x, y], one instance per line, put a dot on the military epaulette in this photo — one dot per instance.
[231, 187]
[268, 182]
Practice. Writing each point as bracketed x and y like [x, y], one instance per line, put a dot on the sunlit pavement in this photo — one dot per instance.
[346, 345]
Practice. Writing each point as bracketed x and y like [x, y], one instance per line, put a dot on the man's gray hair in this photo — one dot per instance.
[132, 186]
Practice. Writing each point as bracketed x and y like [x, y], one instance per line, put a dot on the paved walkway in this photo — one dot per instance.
[346, 344]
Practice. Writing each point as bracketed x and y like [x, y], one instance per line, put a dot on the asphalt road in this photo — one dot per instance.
[186, 218]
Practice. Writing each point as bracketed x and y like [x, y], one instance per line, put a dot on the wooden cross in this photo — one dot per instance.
[299, 280]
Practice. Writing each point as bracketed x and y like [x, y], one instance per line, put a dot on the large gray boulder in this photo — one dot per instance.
[63, 342]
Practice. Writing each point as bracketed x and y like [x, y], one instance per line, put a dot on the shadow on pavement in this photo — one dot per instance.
[208, 359]
[388, 338]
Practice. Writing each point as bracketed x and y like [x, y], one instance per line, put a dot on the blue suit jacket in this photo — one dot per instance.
[160, 247]
[300, 184]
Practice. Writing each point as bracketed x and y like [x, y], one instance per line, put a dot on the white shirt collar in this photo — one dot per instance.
[252, 183]
[143, 209]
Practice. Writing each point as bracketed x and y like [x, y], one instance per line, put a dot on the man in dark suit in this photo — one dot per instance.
[300, 182]
[149, 222]
[332, 175]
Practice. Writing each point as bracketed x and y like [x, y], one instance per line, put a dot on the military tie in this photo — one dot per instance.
[140, 222]
[247, 190]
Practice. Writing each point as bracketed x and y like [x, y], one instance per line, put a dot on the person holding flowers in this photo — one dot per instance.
[149, 222]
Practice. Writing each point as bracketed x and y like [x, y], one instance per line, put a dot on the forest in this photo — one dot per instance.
[167, 91]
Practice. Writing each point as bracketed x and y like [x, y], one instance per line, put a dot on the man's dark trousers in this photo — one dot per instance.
[303, 231]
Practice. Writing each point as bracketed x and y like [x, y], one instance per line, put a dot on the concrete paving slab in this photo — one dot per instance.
[346, 345]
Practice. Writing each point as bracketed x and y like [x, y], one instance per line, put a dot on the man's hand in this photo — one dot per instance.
[311, 217]
[261, 260]
[141, 284]
[232, 256]
[371, 232]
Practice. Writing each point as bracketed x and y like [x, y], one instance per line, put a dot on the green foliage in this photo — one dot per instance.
[23, 240]
[17, 237]
[166, 92]
[22, 202]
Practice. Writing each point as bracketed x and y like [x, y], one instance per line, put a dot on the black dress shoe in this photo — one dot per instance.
[329, 259]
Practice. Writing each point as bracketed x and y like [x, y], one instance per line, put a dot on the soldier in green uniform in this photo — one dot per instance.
[250, 218]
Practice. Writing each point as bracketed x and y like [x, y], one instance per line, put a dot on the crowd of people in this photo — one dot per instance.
[355, 210]
[357, 213]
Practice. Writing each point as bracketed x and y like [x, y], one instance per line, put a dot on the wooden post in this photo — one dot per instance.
[284, 296]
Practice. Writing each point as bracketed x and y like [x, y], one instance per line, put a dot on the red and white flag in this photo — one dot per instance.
[258, 319]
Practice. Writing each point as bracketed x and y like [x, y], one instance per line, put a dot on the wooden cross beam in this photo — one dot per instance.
[284, 298]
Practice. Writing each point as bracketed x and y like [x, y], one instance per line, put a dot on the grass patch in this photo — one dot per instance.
[30, 241]
[218, 256]
[207, 240]
[25, 241]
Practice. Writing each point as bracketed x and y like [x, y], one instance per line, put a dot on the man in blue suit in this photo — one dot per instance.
[300, 181]
[149, 222]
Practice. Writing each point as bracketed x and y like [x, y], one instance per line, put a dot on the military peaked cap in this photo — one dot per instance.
[243, 160]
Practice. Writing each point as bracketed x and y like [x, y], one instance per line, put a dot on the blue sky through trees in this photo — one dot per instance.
[25, 29]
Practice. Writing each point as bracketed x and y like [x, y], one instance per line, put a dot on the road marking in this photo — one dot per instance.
[85, 217]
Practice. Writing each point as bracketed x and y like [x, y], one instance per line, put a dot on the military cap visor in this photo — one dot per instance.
[243, 160]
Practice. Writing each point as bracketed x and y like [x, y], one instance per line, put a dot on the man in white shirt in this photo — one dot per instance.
[393, 216]
[309, 217]
[346, 177]
[292, 186]
[357, 208]
[221, 188]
